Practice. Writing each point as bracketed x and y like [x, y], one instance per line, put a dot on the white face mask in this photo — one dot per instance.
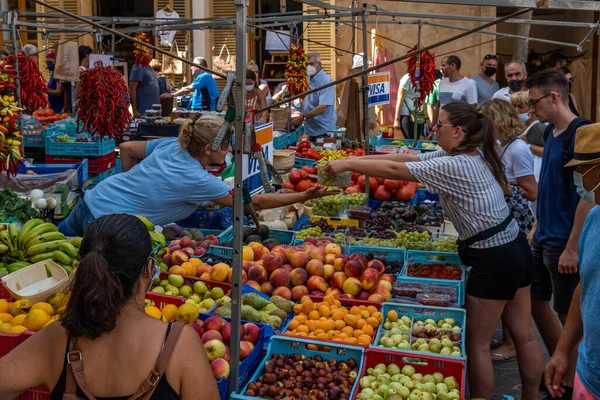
[311, 70]
[524, 117]
[581, 190]
[249, 88]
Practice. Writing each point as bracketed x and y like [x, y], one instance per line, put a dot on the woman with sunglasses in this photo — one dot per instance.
[104, 324]
[471, 184]
[170, 182]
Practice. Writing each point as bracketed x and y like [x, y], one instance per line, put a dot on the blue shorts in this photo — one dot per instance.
[77, 220]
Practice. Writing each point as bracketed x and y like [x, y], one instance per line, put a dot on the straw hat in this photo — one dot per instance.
[357, 61]
[587, 146]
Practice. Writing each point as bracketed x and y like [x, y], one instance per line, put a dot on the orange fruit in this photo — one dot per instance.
[392, 316]
[343, 335]
[323, 336]
[307, 306]
[329, 299]
[360, 323]
[314, 315]
[297, 308]
[302, 328]
[338, 315]
[355, 310]
[371, 309]
[293, 324]
[352, 340]
[377, 315]
[339, 324]
[368, 330]
[347, 330]
[328, 325]
[357, 333]
[364, 339]
[324, 311]
[374, 322]
[350, 319]
[313, 325]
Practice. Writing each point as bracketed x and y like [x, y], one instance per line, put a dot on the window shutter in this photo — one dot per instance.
[323, 33]
[221, 37]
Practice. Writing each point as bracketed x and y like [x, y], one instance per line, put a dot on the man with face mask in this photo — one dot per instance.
[560, 211]
[204, 87]
[515, 73]
[55, 91]
[583, 325]
[486, 86]
[318, 109]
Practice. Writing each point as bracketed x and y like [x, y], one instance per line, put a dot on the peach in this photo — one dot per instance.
[219, 272]
[176, 269]
[317, 253]
[315, 267]
[340, 262]
[376, 297]
[386, 295]
[338, 279]
[317, 283]
[299, 259]
[271, 262]
[346, 296]
[280, 277]
[255, 245]
[369, 279]
[260, 253]
[280, 251]
[289, 251]
[299, 291]
[210, 335]
[245, 349]
[179, 257]
[352, 286]
[206, 275]
[254, 285]
[283, 292]
[247, 264]
[266, 288]
[333, 248]
[377, 265]
[387, 277]
[257, 273]
[363, 295]
[220, 368]
[230, 278]
[360, 258]
[298, 276]
[328, 271]
[311, 240]
[330, 258]
[353, 268]
[384, 284]
[335, 292]
[288, 268]
[199, 252]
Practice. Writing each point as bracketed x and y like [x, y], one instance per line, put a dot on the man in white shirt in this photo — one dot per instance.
[515, 73]
[454, 86]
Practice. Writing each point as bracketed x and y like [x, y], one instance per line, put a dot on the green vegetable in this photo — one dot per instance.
[13, 205]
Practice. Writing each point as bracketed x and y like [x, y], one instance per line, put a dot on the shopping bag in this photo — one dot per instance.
[67, 62]
[222, 63]
[171, 65]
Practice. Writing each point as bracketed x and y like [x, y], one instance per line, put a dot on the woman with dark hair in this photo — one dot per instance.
[255, 98]
[469, 176]
[104, 324]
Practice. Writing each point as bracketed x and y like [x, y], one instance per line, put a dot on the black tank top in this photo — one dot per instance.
[163, 391]
[572, 105]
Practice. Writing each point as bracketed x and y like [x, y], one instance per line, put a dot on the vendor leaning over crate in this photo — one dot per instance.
[471, 185]
[170, 182]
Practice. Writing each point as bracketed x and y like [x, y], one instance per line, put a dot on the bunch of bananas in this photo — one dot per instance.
[156, 237]
[38, 241]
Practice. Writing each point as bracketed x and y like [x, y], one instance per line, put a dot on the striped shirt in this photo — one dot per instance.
[469, 194]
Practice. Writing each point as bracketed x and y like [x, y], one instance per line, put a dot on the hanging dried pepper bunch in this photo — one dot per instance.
[426, 77]
[103, 109]
[295, 70]
[140, 52]
[33, 84]
[11, 152]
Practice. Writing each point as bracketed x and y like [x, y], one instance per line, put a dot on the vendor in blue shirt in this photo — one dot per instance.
[583, 325]
[55, 91]
[143, 89]
[318, 109]
[206, 91]
[170, 182]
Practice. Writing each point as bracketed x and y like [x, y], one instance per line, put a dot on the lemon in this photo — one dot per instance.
[18, 320]
[169, 311]
[3, 306]
[153, 312]
[43, 306]
[17, 329]
[247, 254]
[5, 327]
[36, 320]
[5, 317]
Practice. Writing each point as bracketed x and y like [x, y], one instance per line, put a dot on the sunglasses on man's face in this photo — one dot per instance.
[490, 57]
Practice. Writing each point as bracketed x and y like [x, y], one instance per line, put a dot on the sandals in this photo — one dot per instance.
[502, 358]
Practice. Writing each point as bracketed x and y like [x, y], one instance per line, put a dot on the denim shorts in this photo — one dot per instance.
[77, 220]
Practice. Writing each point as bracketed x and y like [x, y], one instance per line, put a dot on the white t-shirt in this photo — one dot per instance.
[461, 90]
[166, 37]
[502, 94]
[408, 105]
[518, 160]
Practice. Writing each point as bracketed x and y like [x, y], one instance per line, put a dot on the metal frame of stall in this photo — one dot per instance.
[241, 27]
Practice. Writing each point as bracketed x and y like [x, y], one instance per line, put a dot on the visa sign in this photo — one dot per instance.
[250, 168]
[379, 88]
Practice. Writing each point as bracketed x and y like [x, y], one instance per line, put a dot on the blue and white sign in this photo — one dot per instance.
[379, 88]
[251, 170]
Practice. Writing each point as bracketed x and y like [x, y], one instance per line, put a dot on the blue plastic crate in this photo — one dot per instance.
[280, 142]
[391, 254]
[269, 331]
[423, 195]
[97, 178]
[203, 219]
[421, 142]
[434, 257]
[375, 141]
[286, 237]
[118, 166]
[82, 149]
[301, 162]
[373, 203]
[287, 345]
[419, 312]
[410, 143]
[45, 169]
[30, 140]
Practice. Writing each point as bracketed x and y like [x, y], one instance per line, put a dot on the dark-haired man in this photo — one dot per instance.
[486, 86]
[454, 86]
[556, 61]
[515, 72]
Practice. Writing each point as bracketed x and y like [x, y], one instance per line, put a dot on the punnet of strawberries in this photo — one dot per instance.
[435, 271]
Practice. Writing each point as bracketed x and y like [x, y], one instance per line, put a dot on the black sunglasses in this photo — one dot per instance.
[490, 57]
[534, 102]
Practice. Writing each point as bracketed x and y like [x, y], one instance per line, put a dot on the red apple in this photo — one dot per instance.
[251, 332]
[298, 292]
[246, 348]
[315, 268]
[352, 286]
[369, 279]
[377, 265]
[214, 349]
[353, 268]
[226, 332]
[211, 335]
[317, 283]
[220, 368]
[298, 276]
[214, 322]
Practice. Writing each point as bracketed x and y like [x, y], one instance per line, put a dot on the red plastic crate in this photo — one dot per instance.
[192, 279]
[96, 165]
[4, 294]
[424, 364]
[38, 393]
[350, 302]
[8, 341]
[161, 300]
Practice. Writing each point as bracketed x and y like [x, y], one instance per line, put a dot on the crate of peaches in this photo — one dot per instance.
[329, 320]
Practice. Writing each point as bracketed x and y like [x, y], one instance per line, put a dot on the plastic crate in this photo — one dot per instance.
[286, 237]
[420, 144]
[427, 363]
[421, 312]
[375, 141]
[280, 142]
[388, 253]
[96, 165]
[118, 166]
[410, 143]
[424, 195]
[45, 169]
[161, 300]
[190, 280]
[307, 348]
[337, 221]
[349, 303]
[30, 140]
[433, 257]
[97, 178]
[208, 219]
[38, 393]
[82, 149]
[301, 162]
[8, 341]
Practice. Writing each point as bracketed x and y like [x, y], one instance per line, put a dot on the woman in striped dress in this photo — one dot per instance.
[468, 175]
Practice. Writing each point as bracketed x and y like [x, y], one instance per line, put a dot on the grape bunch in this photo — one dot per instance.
[397, 210]
[357, 199]
[446, 244]
[323, 225]
[63, 139]
[356, 232]
[331, 206]
[386, 234]
[414, 240]
[310, 232]
[379, 223]
[376, 242]
[327, 179]
[339, 236]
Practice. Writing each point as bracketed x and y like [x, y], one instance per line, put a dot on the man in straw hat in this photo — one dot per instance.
[583, 323]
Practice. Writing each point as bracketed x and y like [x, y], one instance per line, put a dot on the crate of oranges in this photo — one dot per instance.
[329, 320]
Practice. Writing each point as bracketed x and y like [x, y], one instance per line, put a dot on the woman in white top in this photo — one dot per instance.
[470, 183]
[255, 98]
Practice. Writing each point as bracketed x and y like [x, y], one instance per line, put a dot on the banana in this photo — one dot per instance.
[27, 226]
[46, 237]
[3, 248]
[17, 266]
[5, 239]
[68, 249]
[38, 230]
[75, 241]
[61, 257]
[2, 227]
[67, 268]
[43, 247]
[41, 257]
[13, 232]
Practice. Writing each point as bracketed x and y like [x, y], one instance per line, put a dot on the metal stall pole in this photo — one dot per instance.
[418, 85]
[365, 89]
[12, 21]
[238, 210]
[112, 39]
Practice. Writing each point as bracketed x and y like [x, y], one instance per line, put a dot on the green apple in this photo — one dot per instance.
[217, 293]
[186, 291]
[164, 282]
[172, 289]
[208, 303]
[200, 287]
[225, 299]
[176, 280]
[158, 289]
